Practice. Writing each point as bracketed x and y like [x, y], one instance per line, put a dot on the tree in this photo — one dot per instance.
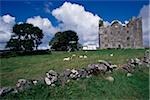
[101, 23]
[26, 37]
[63, 41]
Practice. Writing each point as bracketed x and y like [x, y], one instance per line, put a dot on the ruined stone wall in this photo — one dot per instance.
[117, 35]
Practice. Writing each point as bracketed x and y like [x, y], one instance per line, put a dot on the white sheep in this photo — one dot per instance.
[66, 59]
[85, 56]
[111, 54]
[80, 56]
[73, 55]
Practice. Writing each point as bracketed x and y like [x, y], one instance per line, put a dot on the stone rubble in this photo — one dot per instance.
[51, 78]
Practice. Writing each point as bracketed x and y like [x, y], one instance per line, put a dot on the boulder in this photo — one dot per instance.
[65, 76]
[146, 59]
[74, 74]
[51, 77]
[47, 81]
[92, 69]
[128, 67]
[82, 73]
[129, 74]
[5, 90]
[110, 66]
[23, 84]
[135, 61]
[110, 79]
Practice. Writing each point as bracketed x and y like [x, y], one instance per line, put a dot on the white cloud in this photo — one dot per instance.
[74, 17]
[45, 25]
[144, 13]
[6, 24]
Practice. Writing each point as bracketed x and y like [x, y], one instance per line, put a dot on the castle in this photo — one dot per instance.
[118, 35]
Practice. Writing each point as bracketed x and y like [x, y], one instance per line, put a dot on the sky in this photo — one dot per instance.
[81, 16]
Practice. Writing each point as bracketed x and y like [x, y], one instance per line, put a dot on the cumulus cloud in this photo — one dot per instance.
[46, 26]
[144, 13]
[6, 24]
[74, 17]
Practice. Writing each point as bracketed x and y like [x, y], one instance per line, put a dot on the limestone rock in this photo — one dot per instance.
[74, 74]
[129, 74]
[51, 77]
[110, 78]
[23, 84]
[82, 73]
[5, 90]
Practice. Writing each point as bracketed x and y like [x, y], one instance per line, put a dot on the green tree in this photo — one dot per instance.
[63, 41]
[26, 37]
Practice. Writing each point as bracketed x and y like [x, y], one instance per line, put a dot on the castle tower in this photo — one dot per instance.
[118, 35]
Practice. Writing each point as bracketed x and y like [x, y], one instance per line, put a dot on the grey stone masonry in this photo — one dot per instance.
[118, 35]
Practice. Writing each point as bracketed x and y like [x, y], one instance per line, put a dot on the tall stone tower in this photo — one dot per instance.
[118, 35]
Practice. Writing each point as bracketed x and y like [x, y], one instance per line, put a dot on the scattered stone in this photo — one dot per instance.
[74, 74]
[23, 84]
[128, 67]
[35, 82]
[113, 66]
[110, 78]
[5, 90]
[65, 76]
[51, 77]
[129, 74]
[146, 59]
[82, 73]
[47, 81]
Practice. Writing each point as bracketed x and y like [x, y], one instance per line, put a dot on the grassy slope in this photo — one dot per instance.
[93, 88]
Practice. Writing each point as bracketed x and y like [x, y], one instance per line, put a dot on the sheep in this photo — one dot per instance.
[85, 56]
[73, 55]
[81, 56]
[111, 55]
[66, 59]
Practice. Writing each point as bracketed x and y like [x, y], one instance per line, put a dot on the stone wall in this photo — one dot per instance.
[118, 35]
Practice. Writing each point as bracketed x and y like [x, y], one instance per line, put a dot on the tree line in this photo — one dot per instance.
[27, 37]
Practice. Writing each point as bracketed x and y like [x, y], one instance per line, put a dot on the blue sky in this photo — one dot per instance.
[81, 16]
[108, 10]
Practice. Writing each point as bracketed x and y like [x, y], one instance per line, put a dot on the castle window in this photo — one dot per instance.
[119, 46]
[128, 44]
[106, 45]
[127, 31]
[128, 38]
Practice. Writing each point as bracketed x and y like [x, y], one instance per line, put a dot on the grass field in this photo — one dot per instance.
[95, 88]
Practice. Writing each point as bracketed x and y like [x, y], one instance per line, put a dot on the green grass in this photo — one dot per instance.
[94, 88]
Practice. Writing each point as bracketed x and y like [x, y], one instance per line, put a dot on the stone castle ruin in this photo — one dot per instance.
[118, 35]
